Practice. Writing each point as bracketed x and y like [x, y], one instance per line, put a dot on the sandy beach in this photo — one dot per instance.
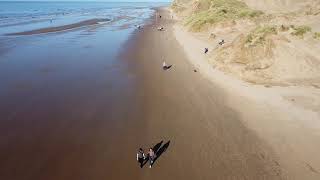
[83, 115]
[208, 140]
[92, 127]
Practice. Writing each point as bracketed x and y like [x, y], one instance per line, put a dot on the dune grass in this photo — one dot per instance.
[284, 28]
[258, 35]
[316, 35]
[176, 7]
[218, 11]
[300, 30]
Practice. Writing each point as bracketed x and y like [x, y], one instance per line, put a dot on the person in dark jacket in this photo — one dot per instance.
[141, 157]
[206, 50]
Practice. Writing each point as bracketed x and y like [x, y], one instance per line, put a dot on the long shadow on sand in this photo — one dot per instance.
[159, 150]
[167, 67]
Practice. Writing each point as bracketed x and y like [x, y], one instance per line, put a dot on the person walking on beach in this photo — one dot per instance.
[152, 156]
[164, 65]
[140, 157]
[206, 50]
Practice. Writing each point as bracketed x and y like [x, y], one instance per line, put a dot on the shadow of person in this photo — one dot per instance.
[144, 162]
[167, 67]
[157, 146]
[161, 150]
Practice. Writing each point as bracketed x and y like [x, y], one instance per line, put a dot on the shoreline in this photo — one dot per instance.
[84, 23]
[80, 110]
[185, 108]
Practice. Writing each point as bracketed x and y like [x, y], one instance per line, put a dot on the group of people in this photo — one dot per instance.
[221, 42]
[142, 158]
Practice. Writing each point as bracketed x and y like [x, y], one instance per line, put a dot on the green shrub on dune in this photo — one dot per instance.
[316, 35]
[258, 35]
[218, 11]
[300, 30]
[176, 7]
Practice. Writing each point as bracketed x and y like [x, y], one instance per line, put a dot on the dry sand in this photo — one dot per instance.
[284, 112]
[208, 138]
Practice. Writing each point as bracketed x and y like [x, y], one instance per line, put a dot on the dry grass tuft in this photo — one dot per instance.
[316, 35]
[258, 35]
[300, 31]
[214, 11]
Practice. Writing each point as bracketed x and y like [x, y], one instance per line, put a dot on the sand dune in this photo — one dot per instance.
[272, 58]
[271, 49]
[280, 5]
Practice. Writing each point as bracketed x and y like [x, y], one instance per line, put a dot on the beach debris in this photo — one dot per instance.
[221, 42]
[160, 28]
[195, 70]
[206, 50]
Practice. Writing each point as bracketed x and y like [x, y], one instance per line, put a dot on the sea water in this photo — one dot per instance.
[70, 62]
[26, 16]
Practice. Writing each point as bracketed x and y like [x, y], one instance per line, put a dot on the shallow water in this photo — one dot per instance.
[26, 16]
[64, 93]
[86, 58]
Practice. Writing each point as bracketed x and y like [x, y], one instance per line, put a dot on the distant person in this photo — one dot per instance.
[152, 156]
[206, 50]
[138, 26]
[140, 157]
[160, 28]
[221, 42]
[164, 65]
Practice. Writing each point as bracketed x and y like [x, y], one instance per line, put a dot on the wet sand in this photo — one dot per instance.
[208, 140]
[60, 28]
[92, 130]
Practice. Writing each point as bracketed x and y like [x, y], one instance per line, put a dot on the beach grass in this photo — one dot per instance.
[259, 34]
[316, 35]
[300, 30]
[177, 8]
[284, 28]
[218, 11]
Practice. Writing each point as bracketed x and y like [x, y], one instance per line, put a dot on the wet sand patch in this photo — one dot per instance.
[61, 28]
